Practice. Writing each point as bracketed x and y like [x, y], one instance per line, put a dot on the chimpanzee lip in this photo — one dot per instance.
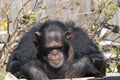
[56, 61]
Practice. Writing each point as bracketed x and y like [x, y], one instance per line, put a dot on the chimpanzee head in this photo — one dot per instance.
[53, 43]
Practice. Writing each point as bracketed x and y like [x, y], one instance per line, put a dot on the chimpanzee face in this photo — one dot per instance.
[54, 46]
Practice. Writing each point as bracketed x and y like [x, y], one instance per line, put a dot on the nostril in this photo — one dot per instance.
[55, 54]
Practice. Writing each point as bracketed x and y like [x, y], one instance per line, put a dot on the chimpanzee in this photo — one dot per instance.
[56, 50]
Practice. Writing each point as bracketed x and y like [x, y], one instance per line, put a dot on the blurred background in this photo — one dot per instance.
[99, 18]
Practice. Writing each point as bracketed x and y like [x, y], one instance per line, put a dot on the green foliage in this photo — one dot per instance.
[118, 39]
[1, 78]
[118, 67]
[114, 49]
[112, 9]
[27, 18]
[94, 27]
[3, 25]
[111, 67]
[42, 6]
[108, 8]
[118, 3]
[108, 2]
[77, 2]
[105, 12]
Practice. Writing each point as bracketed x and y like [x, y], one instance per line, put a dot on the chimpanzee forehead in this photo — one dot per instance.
[54, 28]
[52, 32]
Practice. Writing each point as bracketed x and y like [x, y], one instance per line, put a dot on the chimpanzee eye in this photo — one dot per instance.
[59, 48]
[48, 49]
[52, 48]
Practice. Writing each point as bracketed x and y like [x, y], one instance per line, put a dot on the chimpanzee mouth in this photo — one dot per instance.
[56, 64]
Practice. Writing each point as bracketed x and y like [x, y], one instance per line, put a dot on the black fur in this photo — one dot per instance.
[86, 59]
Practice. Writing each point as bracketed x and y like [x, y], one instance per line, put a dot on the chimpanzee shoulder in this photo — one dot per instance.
[80, 40]
[26, 48]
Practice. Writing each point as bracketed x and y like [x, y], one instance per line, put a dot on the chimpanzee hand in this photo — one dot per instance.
[72, 72]
[81, 68]
[77, 69]
[34, 70]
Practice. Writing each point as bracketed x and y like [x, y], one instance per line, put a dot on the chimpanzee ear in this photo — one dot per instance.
[68, 35]
[38, 34]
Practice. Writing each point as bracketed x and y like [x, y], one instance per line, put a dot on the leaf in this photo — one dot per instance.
[118, 39]
[19, 24]
[3, 25]
[32, 19]
[13, 38]
[94, 27]
[42, 6]
[99, 5]
[108, 2]
[7, 11]
[118, 67]
[77, 2]
[112, 9]
[114, 50]
[110, 20]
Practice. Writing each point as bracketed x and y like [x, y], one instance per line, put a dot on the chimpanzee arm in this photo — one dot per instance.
[14, 68]
[88, 60]
[86, 67]
[34, 70]
[31, 69]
